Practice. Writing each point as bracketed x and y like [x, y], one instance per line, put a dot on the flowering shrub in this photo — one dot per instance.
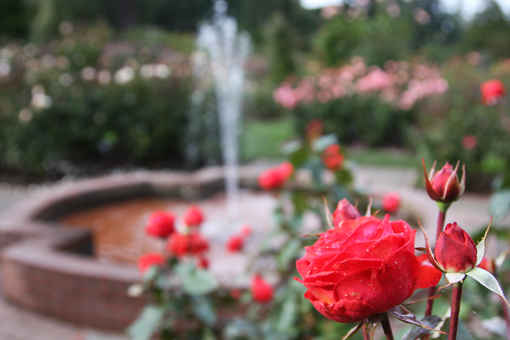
[82, 99]
[361, 103]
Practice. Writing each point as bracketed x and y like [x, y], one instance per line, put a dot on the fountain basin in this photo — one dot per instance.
[49, 268]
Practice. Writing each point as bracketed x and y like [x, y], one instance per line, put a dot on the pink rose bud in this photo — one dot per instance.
[149, 260]
[444, 186]
[161, 224]
[391, 202]
[345, 211]
[193, 216]
[246, 230]
[235, 244]
[286, 169]
[455, 250]
[492, 91]
[261, 290]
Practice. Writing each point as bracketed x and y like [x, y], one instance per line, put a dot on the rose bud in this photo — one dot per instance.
[148, 260]
[246, 230]
[345, 211]
[489, 264]
[235, 244]
[193, 216]
[161, 224]
[187, 244]
[203, 263]
[391, 202]
[261, 290]
[286, 169]
[332, 158]
[455, 250]
[444, 186]
[274, 178]
[362, 268]
[492, 91]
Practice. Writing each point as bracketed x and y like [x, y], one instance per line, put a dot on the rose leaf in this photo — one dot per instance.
[487, 280]
[406, 316]
[418, 331]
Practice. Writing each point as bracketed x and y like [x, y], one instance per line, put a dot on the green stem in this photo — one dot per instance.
[454, 318]
[366, 336]
[387, 327]
[432, 290]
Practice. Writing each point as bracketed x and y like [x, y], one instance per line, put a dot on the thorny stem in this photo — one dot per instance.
[454, 319]
[387, 327]
[432, 290]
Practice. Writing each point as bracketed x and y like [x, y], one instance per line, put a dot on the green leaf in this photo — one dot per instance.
[344, 176]
[150, 274]
[203, 309]
[287, 316]
[199, 282]
[480, 248]
[146, 324]
[454, 277]
[418, 331]
[463, 332]
[321, 143]
[406, 316]
[317, 168]
[487, 280]
[499, 204]
[289, 252]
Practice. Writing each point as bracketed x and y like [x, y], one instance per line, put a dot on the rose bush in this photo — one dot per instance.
[363, 267]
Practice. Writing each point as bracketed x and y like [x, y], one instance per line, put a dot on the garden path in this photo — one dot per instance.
[470, 213]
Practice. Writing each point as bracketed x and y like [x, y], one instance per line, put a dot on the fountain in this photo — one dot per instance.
[223, 52]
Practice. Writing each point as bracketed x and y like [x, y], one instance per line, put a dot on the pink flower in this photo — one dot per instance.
[391, 202]
[274, 178]
[469, 142]
[161, 224]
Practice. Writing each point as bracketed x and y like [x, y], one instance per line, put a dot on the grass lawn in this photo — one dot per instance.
[263, 139]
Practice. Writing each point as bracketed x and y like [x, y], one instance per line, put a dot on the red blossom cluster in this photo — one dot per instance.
[161, 224]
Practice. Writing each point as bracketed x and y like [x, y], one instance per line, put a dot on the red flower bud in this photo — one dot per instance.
[332, 157]
[161, 224]
[188, 244]
[345, 211]
[492, 91]
[193, 216]
[203, 263]
[391, 202]
[444, 186]
[261, 290]
[274, 178]
[455, 250]
[489, 264]
[148, 260]
[235, 244]
[245, 230]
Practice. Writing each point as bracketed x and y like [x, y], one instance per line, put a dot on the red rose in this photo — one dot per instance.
[261, 290]
[455, 250]
[161, 224]
[391, 202]
[492, 91]
[193, 216]
[187, 244]
[274, 178]
[235, 243]
[345, 211]
[364, 267]
[332, 157]
[444, 186]
[148, 260]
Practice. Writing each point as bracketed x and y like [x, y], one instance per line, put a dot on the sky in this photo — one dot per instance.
[468, 7]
